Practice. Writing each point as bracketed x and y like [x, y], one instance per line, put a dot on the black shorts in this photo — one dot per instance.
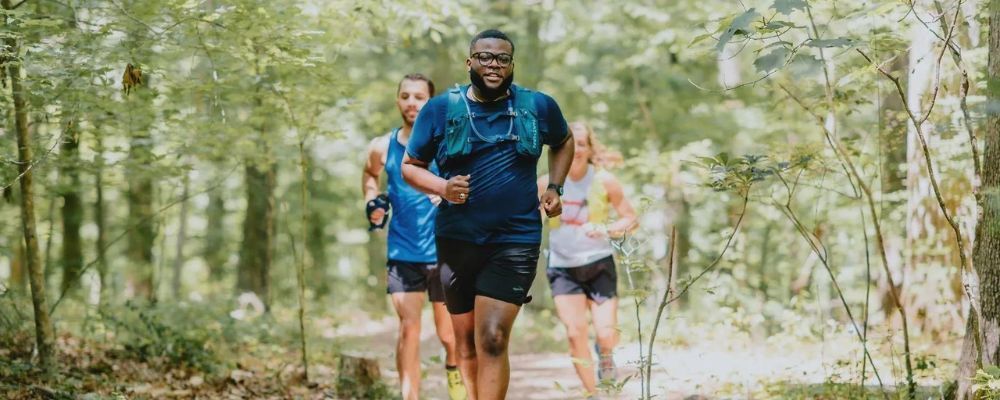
[502, 271]
[598, 280]
[404, 276]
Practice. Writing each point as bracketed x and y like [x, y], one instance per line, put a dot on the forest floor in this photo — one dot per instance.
[705, 367]
[205, 356]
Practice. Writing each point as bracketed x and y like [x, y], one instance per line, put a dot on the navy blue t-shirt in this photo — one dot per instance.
[503, 197]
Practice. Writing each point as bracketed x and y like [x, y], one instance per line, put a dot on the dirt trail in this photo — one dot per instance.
[707, 368]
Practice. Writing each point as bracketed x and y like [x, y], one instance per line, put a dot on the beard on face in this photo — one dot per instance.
[406, 119]
[488, 93]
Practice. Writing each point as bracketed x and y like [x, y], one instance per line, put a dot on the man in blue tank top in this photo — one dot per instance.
[486, 139]
[412, 257]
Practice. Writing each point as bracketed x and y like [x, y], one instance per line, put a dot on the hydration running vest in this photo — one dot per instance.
[460, 132]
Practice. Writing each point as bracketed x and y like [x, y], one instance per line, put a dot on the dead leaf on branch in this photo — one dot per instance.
[131, 78]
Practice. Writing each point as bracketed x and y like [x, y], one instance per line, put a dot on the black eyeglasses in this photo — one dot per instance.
[485, 58]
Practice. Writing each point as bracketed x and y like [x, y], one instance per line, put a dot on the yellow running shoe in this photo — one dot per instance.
[456, 390]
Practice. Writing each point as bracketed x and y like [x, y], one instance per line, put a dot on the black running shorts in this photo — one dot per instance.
[406, 276]
[502, 271]
[598, 280]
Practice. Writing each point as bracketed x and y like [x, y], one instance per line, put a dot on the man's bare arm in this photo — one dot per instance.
[560, 158]
[543, 182]
[374, 164]
[417, 175]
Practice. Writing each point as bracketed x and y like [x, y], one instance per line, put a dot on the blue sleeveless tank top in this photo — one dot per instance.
[411, 228]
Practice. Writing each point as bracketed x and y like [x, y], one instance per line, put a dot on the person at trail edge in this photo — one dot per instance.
[581, 269]
[486, 138]
[412, 257]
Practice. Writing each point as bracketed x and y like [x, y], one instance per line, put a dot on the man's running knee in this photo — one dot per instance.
[495, 341]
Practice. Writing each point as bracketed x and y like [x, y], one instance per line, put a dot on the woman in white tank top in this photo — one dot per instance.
[581, 268]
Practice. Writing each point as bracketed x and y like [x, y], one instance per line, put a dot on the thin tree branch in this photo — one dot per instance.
[880, 240]
[928, 159]
[37, 160]
[812, 240]
[791, 55]
[715, 262]
[955, 47]
[661, 308]
[868, 290]
[937, 77]
[835, 145]
[817, 244]
[956, 55]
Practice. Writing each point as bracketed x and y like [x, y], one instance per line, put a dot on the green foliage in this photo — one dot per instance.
[739, 174]
[170, 337]
[15, 325]
[788, 6]
[739, 25]
[986, 383]
[243, 82]
[829, 390]
[825, 43]
[349, 389]
[773, 60]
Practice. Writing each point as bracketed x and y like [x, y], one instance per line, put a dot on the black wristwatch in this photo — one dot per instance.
[558, 188]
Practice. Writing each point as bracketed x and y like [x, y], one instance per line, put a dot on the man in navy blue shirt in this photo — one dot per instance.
[486, 139]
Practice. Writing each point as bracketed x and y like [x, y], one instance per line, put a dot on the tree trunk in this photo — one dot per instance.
[986, 248]
[214, 252]
[301, 270]
[357, 374]
[728, 65]
[140, 193]
[986, 253]
[532, 53]
[8, 190]
[892, 133]
[72, 209]
[47, 269]
[921, 206]
[316, 247]
[99, 220]
[18, 269]
[257, 249]
[763, 265]
[175, 284]
[36, 277]
[258, 232]
[316, 241]
[967, 364]
[925, 224]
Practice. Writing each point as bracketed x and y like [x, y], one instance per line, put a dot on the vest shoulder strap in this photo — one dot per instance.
[524, 98]
[456, 105]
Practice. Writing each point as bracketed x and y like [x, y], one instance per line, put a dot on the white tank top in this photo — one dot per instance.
[569, 245]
